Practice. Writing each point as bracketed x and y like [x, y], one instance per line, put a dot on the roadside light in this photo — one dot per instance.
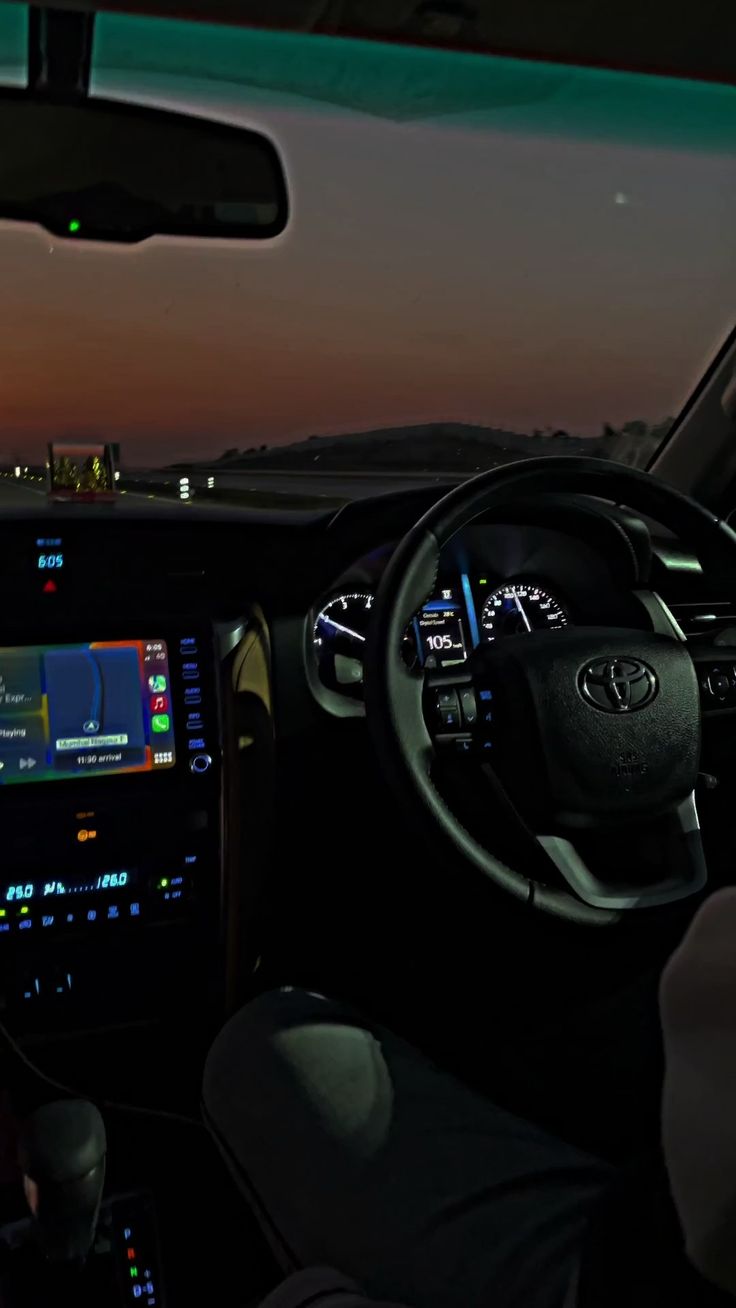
[117, 474]
[17, 470]
[210, 483]
[183, 488]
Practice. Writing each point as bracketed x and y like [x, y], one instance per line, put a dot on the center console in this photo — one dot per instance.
[111, 820]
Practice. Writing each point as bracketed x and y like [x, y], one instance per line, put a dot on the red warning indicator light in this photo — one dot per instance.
[50, 587]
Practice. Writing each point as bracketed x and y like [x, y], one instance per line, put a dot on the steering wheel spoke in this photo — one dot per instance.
[641, 865]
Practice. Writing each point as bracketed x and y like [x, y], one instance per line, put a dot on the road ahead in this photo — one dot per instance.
[295, 483]
[15, 495]
[267, 487]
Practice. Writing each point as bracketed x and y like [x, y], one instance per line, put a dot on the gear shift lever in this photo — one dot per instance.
[62, 1155]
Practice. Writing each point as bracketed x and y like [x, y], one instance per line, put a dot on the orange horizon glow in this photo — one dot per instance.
[430, 274]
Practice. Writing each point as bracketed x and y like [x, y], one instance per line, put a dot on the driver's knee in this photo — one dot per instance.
[288, 1055]
[249, 1040]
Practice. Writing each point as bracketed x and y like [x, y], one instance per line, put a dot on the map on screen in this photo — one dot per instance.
[84, 709]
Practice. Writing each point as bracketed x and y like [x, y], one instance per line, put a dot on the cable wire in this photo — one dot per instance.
[160, 1113]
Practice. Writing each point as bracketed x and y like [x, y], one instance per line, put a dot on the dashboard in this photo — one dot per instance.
[167, 677]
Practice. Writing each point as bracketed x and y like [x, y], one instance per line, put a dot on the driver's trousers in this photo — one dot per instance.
[359, 1154]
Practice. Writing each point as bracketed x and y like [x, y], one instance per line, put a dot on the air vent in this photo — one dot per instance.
[699, 619]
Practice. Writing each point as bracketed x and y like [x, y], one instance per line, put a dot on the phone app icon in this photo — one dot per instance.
[156, 683]
[160, 722]
[159, 703]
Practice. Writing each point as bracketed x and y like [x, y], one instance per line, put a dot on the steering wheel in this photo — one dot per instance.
[593, 734]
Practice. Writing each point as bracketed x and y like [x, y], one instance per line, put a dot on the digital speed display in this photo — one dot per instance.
[439, 632]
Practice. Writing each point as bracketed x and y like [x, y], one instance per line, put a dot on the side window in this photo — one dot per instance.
[13, 45]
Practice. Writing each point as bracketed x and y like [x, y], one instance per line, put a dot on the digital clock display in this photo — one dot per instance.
[48, 561]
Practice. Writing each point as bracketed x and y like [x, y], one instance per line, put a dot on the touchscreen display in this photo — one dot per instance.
[83, 710]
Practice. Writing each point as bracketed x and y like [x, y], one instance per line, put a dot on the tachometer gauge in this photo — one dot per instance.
[343, 624]
[519, 607]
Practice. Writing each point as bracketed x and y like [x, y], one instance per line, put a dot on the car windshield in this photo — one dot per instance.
[486, 259]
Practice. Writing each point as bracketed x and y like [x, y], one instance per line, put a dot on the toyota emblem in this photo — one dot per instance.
[618, 685]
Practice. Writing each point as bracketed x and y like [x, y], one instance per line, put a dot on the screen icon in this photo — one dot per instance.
[159, 703]
[160, 722]
[157, 683]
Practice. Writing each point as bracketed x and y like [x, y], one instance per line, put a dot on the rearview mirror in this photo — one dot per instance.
[102, 171]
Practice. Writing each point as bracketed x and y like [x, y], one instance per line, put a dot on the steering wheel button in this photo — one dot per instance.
[447, 699]
[448, 709]
[469, 707]
[718, 684]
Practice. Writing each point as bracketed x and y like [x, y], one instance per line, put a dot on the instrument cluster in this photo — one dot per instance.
[464, 612]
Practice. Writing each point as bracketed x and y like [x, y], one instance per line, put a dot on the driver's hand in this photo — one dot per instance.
[697, 998]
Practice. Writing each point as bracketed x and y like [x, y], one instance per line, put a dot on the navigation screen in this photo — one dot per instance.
[83, 710]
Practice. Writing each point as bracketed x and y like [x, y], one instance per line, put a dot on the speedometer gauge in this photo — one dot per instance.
[519, 607]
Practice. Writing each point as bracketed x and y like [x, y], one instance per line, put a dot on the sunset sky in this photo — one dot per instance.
[471, 268]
